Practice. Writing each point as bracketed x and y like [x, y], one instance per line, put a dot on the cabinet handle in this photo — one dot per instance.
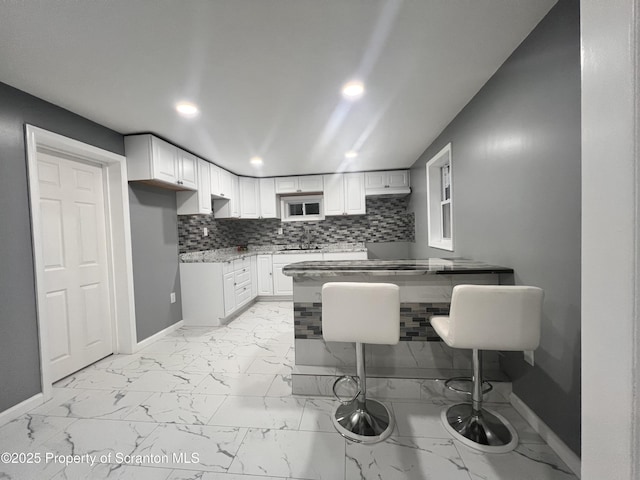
[222, 194]
[179, 182]
[270, 273]
[298, 190]
[234, 284]
[386, 186]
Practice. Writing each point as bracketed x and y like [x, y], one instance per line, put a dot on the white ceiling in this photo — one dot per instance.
[266, 74]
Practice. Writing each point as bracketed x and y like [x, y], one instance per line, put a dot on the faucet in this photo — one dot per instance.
[306, 238]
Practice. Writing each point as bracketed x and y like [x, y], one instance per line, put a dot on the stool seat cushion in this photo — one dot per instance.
[361, 312]
[492, 317]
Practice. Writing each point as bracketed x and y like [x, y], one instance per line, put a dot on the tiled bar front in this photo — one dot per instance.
[419, 357]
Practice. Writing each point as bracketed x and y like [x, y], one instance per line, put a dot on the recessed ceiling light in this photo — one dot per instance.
[257, 161]
[351, 154]
[187, 109]
[353, 90]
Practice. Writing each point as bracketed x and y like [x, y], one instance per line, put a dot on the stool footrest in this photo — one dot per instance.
[486, 386]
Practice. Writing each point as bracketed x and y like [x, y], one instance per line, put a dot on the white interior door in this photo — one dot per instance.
[74, 252]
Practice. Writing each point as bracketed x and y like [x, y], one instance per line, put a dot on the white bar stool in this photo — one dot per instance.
[361, 313]
[488, 317]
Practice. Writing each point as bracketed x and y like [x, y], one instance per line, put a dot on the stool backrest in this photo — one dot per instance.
[492, 317]
[361, 312]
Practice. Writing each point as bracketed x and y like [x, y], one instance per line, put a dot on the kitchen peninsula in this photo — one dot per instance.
[425, 290]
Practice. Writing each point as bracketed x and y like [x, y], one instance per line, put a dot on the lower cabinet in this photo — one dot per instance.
[213, 291]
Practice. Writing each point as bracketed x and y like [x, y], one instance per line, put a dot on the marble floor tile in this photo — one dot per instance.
[526, 462]
[261, 349]
[30, 471]
[243, 384]
[194, 475]
[114, 361]
[187, 408]
[29, 431]
[419, 420]
[271, 365]
[110, 405]
[406, 458]
[100, 437]
[220, 364]
[158, 361]
[111, 472]
[160, 381]
[317, 415]
[279, 413]
[280, 387]
[204, 448]
[98, 379]
[286, 453]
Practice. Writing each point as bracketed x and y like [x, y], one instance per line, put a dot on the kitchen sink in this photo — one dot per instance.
[299, 249]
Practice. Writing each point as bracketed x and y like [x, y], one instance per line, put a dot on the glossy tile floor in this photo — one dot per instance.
[216, 403]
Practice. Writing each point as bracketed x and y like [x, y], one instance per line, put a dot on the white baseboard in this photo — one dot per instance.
[21, 408]
[157, 336]
[557, 445]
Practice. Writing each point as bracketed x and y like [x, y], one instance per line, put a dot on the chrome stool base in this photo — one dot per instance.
[482, 429]
[368, 423]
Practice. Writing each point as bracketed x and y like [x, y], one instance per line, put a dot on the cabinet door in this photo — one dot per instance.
[334, 194]
[248, 198]
[286, 184]
[310, 183]
[214, 171]
[229, 293]
[254, 276]
[268, 207]
[187, 170]
[234, 204]
[225, 183]
[265, 275]
[354, 198]
[204, 186]
[282, 285]
[375, 180]
[164, 159]
[398, 178]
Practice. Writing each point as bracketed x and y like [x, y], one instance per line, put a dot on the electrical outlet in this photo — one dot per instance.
[528, 357]
[172, 297]
[205, 232]
[280, 231]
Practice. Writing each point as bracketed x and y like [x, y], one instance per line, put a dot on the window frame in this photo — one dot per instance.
[285, 201]
[435, 201]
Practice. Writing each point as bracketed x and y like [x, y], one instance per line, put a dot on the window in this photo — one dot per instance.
[440, 200]
[302, 208]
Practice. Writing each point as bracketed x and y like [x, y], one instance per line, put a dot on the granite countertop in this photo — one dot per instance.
[228, 254]
[430, 266]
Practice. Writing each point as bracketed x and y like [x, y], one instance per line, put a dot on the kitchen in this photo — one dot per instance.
[528, 220]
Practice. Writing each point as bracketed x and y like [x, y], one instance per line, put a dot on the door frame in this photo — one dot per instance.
[118, 224]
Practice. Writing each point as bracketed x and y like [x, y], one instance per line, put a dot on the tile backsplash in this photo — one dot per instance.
[387, 220]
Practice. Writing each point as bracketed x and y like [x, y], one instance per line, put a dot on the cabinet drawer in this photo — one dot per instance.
[242, 276]
[243, 295]
[241, 263]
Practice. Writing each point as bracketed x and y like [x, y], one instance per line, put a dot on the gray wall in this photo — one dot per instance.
[19, 357]
[154, 243]
[516, 192]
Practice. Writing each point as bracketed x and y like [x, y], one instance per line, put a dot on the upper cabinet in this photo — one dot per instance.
[248, 189]
[344, 194]
[302, 184]
[228, 205]
[153, 160]
[391, 182]
[268, 203]
[190, 203]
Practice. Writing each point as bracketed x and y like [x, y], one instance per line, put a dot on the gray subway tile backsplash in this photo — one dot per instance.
[387, 220]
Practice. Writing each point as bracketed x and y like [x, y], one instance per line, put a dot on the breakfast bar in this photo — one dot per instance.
[425, 290]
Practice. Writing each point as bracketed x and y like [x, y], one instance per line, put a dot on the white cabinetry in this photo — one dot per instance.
[344, 194]
[153, 160]
[302, 184]
[268, 200]
[215, 172]
[248, 197]
[190, 203]
[254, 276]
[265, 275]
[228, 205]
[283, 285]
[391, 182]
[213, 291]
